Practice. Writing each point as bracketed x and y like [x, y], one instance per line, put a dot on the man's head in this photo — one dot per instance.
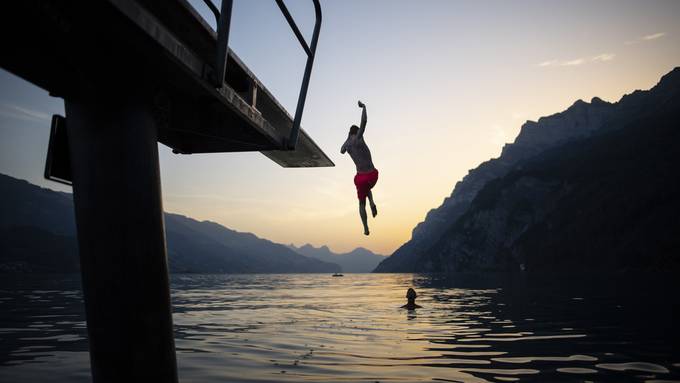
[411, 294]
[353, 130]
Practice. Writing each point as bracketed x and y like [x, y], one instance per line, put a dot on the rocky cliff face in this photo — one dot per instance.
[608, 203]
[580, 120]
[528, 199]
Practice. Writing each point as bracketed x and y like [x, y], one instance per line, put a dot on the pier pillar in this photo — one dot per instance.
[121, 238]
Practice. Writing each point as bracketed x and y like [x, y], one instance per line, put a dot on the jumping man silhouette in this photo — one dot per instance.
[367, 174]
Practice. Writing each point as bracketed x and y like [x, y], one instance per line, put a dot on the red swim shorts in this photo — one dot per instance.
[365, 182]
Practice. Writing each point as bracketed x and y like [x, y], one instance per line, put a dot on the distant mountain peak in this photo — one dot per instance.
[359, 260]
[579, 102]
[672, 77]
[598, 101]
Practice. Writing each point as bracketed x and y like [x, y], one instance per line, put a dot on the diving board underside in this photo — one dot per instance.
[159, 49]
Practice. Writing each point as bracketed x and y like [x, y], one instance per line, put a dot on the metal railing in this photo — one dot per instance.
[223, 18]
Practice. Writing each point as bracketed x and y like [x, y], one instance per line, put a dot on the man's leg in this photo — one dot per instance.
[374, 209]
[364, 216]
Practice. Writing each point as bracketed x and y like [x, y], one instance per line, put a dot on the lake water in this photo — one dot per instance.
[316, 328]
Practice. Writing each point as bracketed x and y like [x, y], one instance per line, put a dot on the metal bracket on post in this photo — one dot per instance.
[58, 161]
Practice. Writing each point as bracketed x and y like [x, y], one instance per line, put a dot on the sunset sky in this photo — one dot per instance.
[446, 84]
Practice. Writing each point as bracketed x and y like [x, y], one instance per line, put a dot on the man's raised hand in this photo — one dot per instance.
[361, 105]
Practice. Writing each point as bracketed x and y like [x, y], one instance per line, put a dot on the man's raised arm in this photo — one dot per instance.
[363, 120]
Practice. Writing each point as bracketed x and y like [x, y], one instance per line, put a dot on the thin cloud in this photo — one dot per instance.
[548, 63]
[24, 114]
[579, 61]
[603, 57]
[574, 62]
[653, 36]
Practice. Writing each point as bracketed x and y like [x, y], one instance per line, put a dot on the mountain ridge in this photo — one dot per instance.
[580, 121]
[359, 260]
[37, 233]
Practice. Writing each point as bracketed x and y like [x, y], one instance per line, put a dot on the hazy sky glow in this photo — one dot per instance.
[446, 84]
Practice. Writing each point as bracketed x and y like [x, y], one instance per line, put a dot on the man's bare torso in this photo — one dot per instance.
[360, 153]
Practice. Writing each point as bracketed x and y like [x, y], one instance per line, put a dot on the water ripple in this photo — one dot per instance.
[273, 328]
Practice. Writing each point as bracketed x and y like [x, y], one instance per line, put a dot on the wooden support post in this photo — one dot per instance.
[121, 236]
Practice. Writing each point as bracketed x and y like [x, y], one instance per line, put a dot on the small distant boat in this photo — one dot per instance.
[338, 275]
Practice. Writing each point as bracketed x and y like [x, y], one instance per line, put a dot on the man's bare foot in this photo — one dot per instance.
[366, 231]
[374, 210]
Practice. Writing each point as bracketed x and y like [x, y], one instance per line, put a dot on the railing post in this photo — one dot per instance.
[223, 26]
[295, 131]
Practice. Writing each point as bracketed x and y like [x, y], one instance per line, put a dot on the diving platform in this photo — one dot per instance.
[133, 73]
[165, 49]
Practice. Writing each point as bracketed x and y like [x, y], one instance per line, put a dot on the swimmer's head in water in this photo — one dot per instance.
[411, 294]
[411, 300]
[353, 130]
